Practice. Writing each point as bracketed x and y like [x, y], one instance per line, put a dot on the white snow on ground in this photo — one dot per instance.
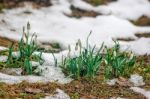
[137, 80]
[142, 91]
[3, 58]
[54, 74]
[2, 48]
[128, 9]
[50, 73]
[139, 46]
[52, 25]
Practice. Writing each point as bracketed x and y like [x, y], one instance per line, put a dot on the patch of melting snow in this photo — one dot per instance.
[137, 80]
[2, 48]
[59, 95]
[111, 82]
[3, 58]
[142, 91]
[49, 72]
[54, 74]
[35, 64]
[128, 9]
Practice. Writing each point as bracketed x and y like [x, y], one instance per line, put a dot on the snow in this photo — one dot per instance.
[142, 91]
[127, 9]
[52, 25]
[137, 80]
[54, 74]
[3, 58]
[139, 47]
[112, 82]
[2, 48]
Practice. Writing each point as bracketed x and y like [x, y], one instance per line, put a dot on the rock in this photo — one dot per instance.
[137, 80]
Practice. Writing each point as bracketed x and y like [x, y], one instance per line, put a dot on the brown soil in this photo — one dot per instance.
[76, 12]
[96, 89]
[19, 3]
[48, 47]
[145, 35]
[7, 42]
[84, 88]
[142, 21]
[19, 90]
[98, 2]
[125, 39]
